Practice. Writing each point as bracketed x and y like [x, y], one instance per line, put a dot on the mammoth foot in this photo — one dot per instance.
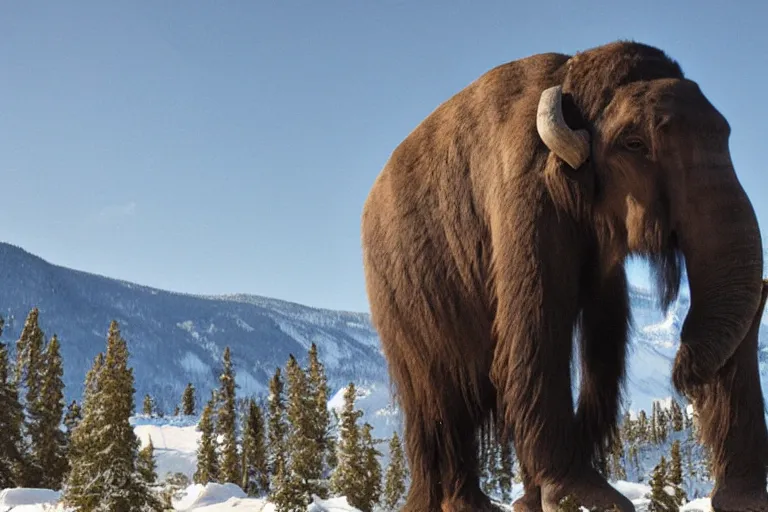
[475, 502]
[530, 501]
[731, 500]
[589, 490]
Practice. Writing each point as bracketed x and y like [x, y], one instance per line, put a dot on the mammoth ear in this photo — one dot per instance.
[571, 146]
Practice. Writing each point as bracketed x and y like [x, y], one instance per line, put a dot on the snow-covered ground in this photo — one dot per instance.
[197, 498]
[225, 498]
[174, 442]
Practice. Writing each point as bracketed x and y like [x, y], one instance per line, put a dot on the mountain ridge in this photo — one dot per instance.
[236, 296]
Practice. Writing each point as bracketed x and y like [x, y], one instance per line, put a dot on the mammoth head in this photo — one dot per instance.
[667, 189]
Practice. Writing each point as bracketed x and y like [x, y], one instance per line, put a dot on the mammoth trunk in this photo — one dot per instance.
[720, 240]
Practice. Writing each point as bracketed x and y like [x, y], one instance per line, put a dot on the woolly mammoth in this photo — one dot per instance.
[500, 227]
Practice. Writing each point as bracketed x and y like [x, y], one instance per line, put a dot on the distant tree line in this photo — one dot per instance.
[293, 448]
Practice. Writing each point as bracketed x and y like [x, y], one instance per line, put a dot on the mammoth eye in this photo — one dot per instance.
[635, 144]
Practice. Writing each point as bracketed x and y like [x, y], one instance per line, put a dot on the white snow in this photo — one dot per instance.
[20, 500]
[243, 324]
[175, 447]
[189, 326]
[199, 497]
[698, 505]
[330, 505]
[631, 490]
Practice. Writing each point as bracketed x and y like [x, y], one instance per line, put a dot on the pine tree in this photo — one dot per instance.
[506, 474]
[146, 464]
[11, 412]
[397, 473]
[641, 427]
[654, 427]
[662, 424]
[116, 386]
[148, 406]
[50, 445]
[618, 471]
[320, 417]
[660, 500]
[346, 479]
[306, 455]
[676, 416]
[29, 362]
[371, 472]
[706, 455]
[83, 489]
[628, 430]
[283, 491]
[29, 349]
[104, 453]
[283, 494]
[79, 445]
[229, 463]
[188, 400]
[494, 467]
[207, 462]
[255, 473]
[486, 463]
[676, 473]
[276, 444]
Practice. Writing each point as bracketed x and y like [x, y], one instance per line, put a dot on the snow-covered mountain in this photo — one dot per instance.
[176, 338]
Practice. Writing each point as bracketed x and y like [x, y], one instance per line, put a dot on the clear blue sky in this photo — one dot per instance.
[211, 149]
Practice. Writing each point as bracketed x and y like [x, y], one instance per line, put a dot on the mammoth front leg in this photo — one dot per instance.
[537, 303]
[604, 337]
[732, 418]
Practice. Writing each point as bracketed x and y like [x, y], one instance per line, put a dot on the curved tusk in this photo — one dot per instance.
[570, 145]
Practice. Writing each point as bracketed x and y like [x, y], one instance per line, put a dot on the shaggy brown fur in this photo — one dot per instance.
[484, 252]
